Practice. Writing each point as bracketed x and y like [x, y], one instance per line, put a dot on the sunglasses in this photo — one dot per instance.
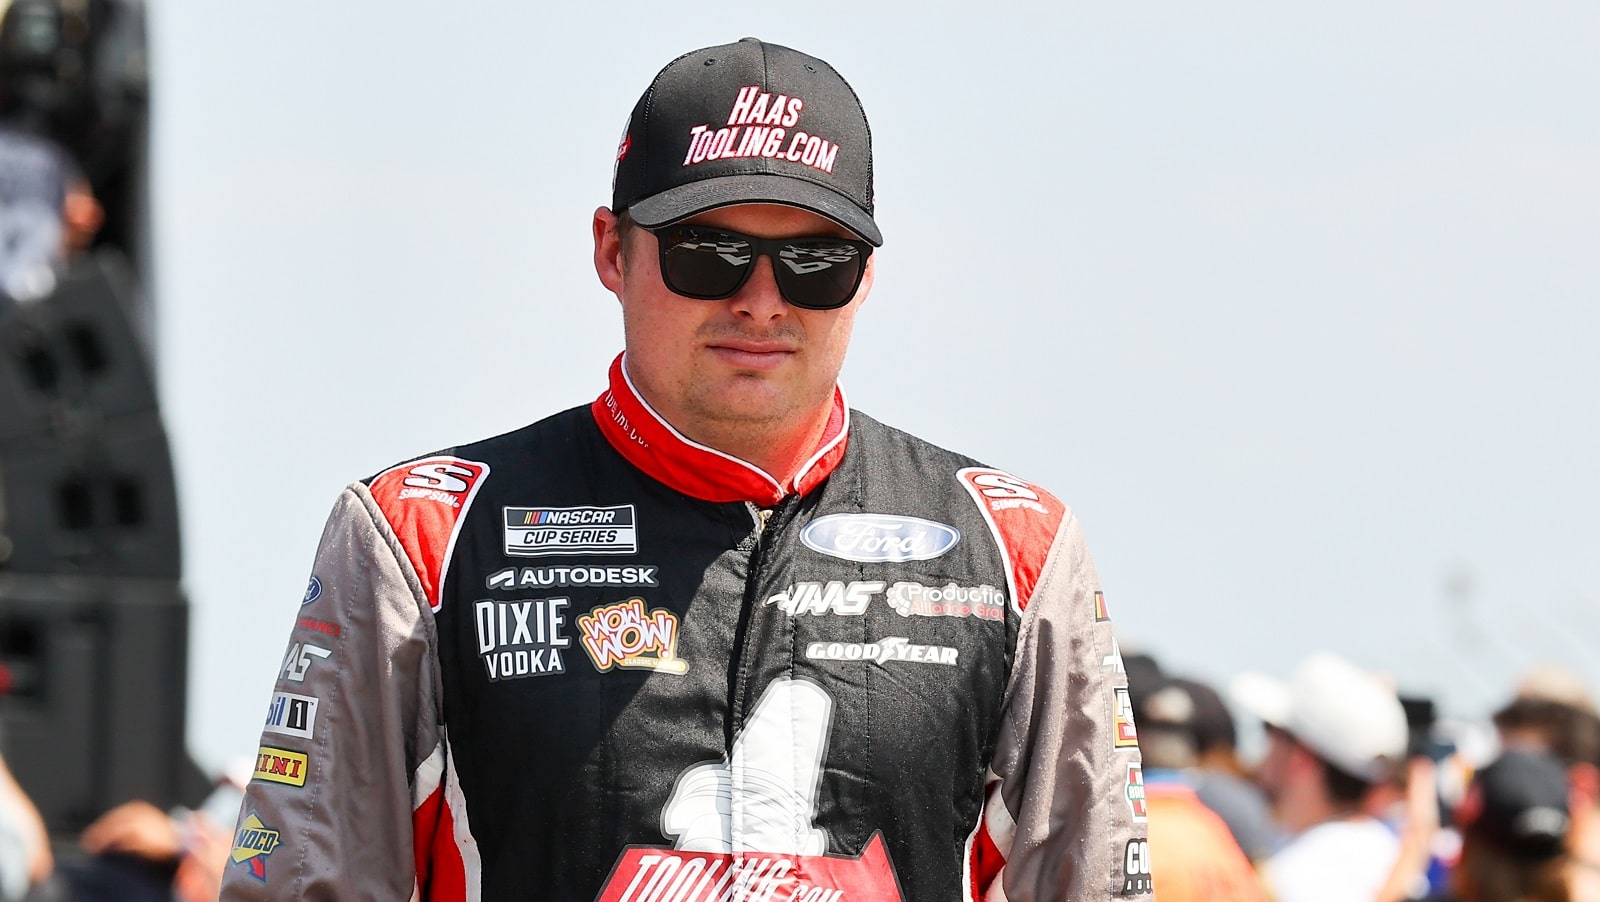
[712, 264]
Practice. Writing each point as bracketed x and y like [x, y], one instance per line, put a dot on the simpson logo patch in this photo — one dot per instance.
[1100, 615]
[1124, 735]
[1004, 492]
[630, 636]
[521, 638]
[536, 531]
[253, 843]
[281, 766]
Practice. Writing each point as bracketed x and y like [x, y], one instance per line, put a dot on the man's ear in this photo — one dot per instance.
[607, 250]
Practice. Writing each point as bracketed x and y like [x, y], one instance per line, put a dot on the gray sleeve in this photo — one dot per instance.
[354, 719]
[1068, 762]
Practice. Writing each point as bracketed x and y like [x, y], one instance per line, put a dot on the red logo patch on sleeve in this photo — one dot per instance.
[1023, 519]
[425, 502]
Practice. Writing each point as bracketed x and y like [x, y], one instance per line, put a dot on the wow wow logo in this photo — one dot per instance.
[628, 635]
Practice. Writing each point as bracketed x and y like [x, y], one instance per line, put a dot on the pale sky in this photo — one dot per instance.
[1297, 307]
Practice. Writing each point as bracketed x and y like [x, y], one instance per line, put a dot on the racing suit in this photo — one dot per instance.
[591, 659]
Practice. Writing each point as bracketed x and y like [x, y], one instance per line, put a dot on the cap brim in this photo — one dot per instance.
[1266, 697]
[696, 197]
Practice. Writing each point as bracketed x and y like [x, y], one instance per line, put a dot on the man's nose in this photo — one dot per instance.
[758, 297]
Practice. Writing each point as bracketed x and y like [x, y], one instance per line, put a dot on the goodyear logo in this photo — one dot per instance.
[281, 766]
[253, 843]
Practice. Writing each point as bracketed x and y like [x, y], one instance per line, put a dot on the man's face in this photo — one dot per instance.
[1272, 774]
[748, 360]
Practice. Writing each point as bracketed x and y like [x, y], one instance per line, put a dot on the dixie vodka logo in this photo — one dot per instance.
[879, 538]
[521, 638]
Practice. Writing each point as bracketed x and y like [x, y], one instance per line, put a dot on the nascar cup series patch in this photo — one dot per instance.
[536, 531]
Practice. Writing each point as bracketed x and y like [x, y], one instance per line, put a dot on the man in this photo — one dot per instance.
[1335, 733]
[715, 636]
[1196, 857]
[1514, 822]
[1220, 780]
[1552, 711]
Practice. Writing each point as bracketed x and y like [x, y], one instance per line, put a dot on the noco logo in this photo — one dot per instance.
[879, 538]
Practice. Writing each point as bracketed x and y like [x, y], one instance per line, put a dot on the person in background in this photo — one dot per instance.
[137, 851]
[1220, 779]
[1335, 732]
[1514, 829]
[1552, 711]
[1194, 857]
[25, 859]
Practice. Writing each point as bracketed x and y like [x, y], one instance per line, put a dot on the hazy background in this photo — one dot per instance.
[1295, 306]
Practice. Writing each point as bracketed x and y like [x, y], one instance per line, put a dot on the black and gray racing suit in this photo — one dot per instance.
[590, 659]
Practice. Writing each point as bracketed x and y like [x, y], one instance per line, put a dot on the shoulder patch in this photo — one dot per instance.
[425, 502]
[1023, 519]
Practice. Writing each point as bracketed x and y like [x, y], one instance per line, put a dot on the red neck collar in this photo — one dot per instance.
[651, 444]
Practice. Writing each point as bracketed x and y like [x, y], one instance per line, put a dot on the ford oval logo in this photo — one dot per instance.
[879, 538]
[313, 591]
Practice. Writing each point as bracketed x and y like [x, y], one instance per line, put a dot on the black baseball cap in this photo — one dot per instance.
[1519, 803]
[743, 123]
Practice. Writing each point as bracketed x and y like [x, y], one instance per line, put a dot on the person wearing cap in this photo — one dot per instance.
[1334, 733]
[1553, 711]
[1194, 855]
[1514, 821]
[716, 635]
[1220, 779]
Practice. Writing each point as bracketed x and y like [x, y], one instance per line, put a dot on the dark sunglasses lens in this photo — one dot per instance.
[819, 273]
[704, 264]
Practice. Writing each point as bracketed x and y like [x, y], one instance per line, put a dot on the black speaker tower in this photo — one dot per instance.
[93, 624]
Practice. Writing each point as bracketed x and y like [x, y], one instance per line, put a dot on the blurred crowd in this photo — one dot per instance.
[1357, 795]
[1362, 794]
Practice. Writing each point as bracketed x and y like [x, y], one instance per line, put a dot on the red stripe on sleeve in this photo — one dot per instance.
[441, 874]
[987, 861]
[1023, 518]
[425, 502]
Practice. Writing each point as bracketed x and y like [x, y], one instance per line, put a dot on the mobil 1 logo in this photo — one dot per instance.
[537, 531]
[292, 715]
[518, 639]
